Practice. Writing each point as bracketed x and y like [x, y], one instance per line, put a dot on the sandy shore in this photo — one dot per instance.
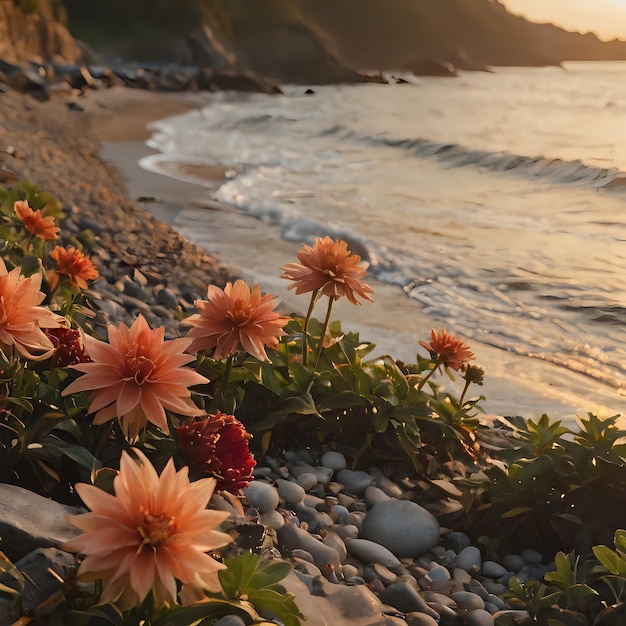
[255, 251]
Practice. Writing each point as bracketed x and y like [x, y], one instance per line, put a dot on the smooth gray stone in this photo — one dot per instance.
[371, 552]
[420, 619]
[29, 521]
[355, 482]
[513, 562]
[334, 541]
[467, 600]
[374, 495]
[405, 598]
[491, 569]
[531, 556]
[479, 617]
[469, 558]
[261, 496]
[402, 526]
[44, 571]
[438, 573]
[292, 537]
[334, 460]
[307, 480]
[289, 491]
[324, 474]
[457, 541]
[273, 519]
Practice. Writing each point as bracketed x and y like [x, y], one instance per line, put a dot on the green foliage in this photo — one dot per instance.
[575, 595]
[555, 489]
[367, 407]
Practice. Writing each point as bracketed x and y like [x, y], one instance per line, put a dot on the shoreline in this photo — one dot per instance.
[191, 209]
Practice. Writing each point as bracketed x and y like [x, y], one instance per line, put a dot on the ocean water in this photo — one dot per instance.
[496, 202]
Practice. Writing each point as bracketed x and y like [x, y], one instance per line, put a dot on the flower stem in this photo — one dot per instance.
[305, 329]
[224, 384]
[465, 388]
[323, 334]
[437, 363]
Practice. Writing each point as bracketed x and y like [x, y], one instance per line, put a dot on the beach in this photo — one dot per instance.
[90, 160]
[256, 249]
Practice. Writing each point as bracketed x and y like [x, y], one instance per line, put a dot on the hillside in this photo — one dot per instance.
[302, 41]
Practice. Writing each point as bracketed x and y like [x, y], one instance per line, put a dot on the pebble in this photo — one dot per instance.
[334, 460]
[494, 570]
[531, 556]
[307, 480]
[289, 491]
[479, 617]
[371, 552]
[404, 597]
[402, 526]
[420, 619]
[469, 559]
[467, 600]
[374, 495]
[354, 482]
[261, 496]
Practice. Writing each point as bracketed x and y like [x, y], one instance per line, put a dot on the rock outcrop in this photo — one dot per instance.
[36, 35]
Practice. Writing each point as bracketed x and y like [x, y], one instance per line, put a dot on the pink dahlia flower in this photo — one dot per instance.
[154, 531]
[136, 376]
[236, 316]
[328, 267]
[21, 320]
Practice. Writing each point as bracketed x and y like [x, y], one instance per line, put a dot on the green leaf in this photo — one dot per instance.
[611, 560]
[281, 605]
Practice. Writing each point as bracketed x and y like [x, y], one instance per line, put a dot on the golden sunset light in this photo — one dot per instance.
[606, 18]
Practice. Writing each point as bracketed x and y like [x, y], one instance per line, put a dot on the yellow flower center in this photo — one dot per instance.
[155, 529]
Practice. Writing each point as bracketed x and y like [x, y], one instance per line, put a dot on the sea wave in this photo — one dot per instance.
[554, 170]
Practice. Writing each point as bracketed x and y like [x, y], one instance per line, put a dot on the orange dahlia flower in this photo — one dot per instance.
[21, 320]
[34, 222]
[136, 376]
[75, 265]
[218, 446]
[154, 531]
[329, 268]
[448, 350]
[235, 316]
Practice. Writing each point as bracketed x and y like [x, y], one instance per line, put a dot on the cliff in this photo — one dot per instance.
[35, 31]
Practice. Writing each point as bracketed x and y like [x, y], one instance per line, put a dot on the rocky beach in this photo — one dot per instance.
[309, 507]
[393, 498]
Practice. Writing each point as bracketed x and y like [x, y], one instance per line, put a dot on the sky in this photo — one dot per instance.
[607, 18]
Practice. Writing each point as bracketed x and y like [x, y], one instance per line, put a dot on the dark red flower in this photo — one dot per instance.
[218, 446]
[68, 346]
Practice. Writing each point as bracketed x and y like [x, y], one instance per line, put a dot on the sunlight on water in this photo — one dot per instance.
[493, 200]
